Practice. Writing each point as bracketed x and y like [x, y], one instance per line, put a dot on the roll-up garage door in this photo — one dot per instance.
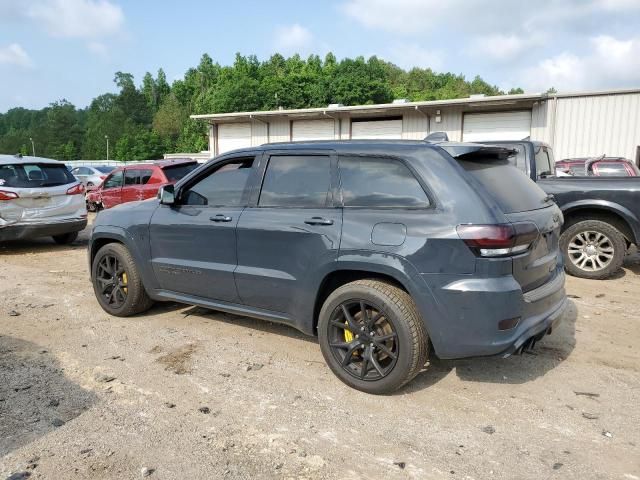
[233, 135]
[302, 130]
[385, 129]
[496, 126]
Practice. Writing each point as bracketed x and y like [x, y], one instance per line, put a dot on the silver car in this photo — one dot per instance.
[91, 175]
[39, 197]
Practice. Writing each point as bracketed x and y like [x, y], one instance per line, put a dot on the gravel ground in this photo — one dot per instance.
[183, 392]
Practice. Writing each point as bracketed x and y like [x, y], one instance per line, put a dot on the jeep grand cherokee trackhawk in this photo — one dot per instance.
[384, 249]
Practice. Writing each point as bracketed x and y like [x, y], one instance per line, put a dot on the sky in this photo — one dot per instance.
[54, 49]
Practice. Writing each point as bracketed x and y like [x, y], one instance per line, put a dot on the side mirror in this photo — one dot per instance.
[166, 194]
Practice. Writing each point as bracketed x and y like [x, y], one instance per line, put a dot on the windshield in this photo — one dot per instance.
[176, 172]
[105, 169]
[33, 175]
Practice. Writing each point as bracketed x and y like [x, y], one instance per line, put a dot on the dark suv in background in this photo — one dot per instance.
[383, 249]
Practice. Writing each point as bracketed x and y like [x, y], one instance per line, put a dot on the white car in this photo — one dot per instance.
[39, 197]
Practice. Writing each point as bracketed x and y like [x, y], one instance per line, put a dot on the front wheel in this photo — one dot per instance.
[592, 249]
[117, 282]
[372, 336]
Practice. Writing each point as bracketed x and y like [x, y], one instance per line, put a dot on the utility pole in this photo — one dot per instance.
[107, 137]
[33, 147]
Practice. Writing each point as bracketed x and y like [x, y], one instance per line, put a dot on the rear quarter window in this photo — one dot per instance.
[511, 189]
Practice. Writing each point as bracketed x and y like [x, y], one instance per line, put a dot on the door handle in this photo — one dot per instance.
[318, 221]
[220, 218]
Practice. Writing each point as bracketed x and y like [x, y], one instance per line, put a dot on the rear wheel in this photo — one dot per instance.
[372, 336]
[117, 282]
[65, 238]
[592, 249]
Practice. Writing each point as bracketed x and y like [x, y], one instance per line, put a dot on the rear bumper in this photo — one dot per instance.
[31, 230]
[466, 323]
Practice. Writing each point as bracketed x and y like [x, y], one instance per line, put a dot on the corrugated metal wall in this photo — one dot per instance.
[279, 131]
[596, 125]
[450, 122]
[415, 126]
[259, 133]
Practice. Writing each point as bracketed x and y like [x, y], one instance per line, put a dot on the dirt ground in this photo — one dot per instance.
[182, 392]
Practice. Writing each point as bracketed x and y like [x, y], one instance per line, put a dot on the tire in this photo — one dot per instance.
[399, 311]
[91, 207]
[65, 238]
[605, 260]
[89, 184]
[136, 299]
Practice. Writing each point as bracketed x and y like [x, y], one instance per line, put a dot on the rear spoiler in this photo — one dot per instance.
[475, 151]
[469, 151]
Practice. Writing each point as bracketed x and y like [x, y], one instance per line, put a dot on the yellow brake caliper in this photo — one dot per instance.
[124, 282]
[348, 335]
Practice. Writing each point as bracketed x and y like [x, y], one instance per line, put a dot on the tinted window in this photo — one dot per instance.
[296, 181]
[32, 175]
[544, 165]
[131, 177]
[512, 190]
[224, 187]
[145, 176]
[379, 183]
[114, 180]
[176, 172]
[105, 169]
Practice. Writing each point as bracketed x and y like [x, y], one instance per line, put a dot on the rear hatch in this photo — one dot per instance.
[521, 201]
[41, 190]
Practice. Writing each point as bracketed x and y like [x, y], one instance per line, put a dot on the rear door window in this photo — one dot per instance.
[299, 181]
[34, 175]
[131, 177]
[374, 183]
[512, 190]
[145, 176]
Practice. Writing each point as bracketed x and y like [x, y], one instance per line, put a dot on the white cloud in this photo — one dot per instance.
[503, 47]
[14, 54]
[97, 48]
[610, 63]
[293, 39]
[77, 18]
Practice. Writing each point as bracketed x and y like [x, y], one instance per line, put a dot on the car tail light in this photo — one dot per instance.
[76, 190]
[498, 240]
[102, 177]
[4, 195]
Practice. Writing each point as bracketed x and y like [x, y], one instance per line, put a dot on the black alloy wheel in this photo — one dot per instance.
[111, 279]
[362, 338]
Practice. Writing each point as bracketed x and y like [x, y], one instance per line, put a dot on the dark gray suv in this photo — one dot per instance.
[384, 249]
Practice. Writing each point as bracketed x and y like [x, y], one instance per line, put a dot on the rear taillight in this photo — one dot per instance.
[102, 177]
[76, 190]
[498, 240]
[4, 195]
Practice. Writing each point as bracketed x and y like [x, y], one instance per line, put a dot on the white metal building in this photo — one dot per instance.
[574, 124]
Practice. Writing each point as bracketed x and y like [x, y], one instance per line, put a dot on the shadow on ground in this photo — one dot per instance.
[548, 353]
[35, 395]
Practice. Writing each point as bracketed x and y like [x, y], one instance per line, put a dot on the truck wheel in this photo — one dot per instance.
[592, 249]
[372, 336]
[65, 238]
[117, 282]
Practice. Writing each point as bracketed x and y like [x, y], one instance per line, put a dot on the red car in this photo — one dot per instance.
[137, 182]
[599, 167]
